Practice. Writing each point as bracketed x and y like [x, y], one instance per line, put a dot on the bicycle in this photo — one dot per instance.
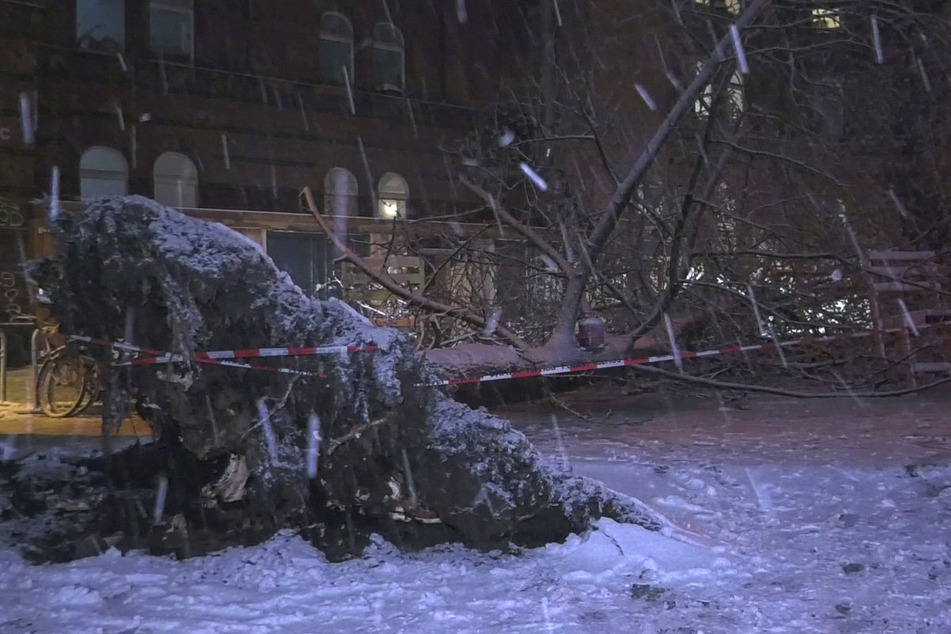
[69, 381]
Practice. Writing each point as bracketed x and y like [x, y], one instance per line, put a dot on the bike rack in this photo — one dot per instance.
[3, 366]
[34, 370]
[34, 365]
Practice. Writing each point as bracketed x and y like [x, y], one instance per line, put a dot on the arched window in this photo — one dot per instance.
[388, 58]
[175, 180]
[336, 49]
[826, 18]
[102, 172]
[733, 99]
[393, 194]
[340, 193]
[733, 7]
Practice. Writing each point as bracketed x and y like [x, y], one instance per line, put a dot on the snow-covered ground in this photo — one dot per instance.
[775, 538]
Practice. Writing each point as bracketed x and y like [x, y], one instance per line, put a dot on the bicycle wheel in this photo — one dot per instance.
[61, 384]
[92, 386]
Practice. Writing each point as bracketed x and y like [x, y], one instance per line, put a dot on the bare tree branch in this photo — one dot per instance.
[726, 385]
[387, 282]
[574, 292]
[528, 232]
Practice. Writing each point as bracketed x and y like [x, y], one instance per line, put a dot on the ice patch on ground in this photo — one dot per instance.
[625, 550]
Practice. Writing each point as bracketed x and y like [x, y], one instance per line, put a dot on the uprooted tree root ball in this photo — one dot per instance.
[393, 457]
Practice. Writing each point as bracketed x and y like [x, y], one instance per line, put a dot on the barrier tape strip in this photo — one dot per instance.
[128, 347]
[602, 365]
[221, 357]
[264, 368]
[249, 353]
[254, 353]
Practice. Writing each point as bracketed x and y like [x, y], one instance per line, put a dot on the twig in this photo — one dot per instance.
[530, 234]
[353, 434]
[725, 385]
[383, 279]
[559, 403]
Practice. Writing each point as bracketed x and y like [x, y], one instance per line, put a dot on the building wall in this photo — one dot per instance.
[249, 109]
[18, 27]
[255, 80]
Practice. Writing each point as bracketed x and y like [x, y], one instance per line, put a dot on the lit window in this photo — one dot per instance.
[340, 193]
[172, 27]
[733, 100]
[336, 49]
[388, 58]
[825, 18]
[100, 24]
[175, 180]
[393, 194]
[102, 172]
[733, 7]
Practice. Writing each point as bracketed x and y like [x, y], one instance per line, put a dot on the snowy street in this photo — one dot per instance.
[774, 528]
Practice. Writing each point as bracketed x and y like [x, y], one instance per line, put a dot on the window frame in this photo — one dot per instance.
[91, 173]
[84, 39]
[330, 193]
[397, 47]
[331, 36]
[826, 18]
[302, 252]
[173, 6]
[386, 197]
[156, 179]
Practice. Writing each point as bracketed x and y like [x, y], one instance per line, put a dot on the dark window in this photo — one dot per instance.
[306, 257]
[100, 24]
[102, 172]
[336, 49]
[171, 27]
[388, 58]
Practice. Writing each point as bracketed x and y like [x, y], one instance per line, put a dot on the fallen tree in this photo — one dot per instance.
[473, 359]
[732, 169]
[574, 246]
[349, 445]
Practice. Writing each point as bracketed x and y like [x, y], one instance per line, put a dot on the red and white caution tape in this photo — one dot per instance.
[223, 357]
[620, 363]
[264, 368]
[128, 347]
[254, 353]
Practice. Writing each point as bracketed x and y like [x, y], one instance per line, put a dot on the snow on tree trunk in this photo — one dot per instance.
[389, 456]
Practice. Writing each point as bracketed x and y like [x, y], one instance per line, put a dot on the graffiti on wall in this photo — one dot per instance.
[13, 298]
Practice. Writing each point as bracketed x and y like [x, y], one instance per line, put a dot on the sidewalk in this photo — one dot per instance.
[24, 430]
[19, 390]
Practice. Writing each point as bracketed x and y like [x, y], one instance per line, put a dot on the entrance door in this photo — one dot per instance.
[307, 257]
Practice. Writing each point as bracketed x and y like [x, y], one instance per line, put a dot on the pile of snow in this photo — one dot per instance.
[285, 585]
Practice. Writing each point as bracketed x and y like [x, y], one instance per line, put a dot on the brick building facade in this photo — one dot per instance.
[228, 108]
